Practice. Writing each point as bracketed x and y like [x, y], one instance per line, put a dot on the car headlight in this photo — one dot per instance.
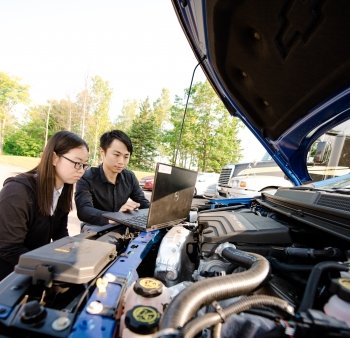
[242, 184]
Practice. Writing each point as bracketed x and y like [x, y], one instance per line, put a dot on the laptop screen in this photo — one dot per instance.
[170, 202]
[172, 194]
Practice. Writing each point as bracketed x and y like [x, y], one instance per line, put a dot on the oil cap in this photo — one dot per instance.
[148, 287]
[142, 319]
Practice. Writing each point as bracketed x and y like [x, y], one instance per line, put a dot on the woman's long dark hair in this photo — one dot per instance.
[60, 143]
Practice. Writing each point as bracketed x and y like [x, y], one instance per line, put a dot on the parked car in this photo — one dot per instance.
[322, 163]
[266, 166]
[254, 185]
[148, 184]
[143, 180]
[204, 180]
[211, 191]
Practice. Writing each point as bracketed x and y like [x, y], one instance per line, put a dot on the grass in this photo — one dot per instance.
[140, 174]
[30, 162]
[19, 161]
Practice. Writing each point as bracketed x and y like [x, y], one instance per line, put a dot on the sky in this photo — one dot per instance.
[138, 46]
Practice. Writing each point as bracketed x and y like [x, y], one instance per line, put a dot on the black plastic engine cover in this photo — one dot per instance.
[241, 227]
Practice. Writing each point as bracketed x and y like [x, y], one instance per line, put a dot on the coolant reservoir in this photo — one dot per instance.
[141, 321]
[145, 291]
[338, 306]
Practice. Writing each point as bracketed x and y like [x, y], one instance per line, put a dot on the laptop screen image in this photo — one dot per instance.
[170, 201]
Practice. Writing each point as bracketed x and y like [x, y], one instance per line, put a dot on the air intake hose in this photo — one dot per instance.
[190, 300]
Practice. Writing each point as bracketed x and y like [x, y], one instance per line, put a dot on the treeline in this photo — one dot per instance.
[208, 133]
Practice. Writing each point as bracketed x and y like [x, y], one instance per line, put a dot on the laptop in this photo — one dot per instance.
[171, 200]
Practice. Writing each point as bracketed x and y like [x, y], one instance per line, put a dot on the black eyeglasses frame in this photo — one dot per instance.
[77, 165]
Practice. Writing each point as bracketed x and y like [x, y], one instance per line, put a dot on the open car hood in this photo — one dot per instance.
[282, 67]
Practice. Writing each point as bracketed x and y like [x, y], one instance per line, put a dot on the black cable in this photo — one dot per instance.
[289, 267]
[184, 115]
[313, 281]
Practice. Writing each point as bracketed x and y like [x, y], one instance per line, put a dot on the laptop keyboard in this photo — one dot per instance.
[140, 220]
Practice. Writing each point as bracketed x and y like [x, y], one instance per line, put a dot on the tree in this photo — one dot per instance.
[82, 105]
[162, 107]
[88, 116]
[144, 134]
[28, 138]
[64, 115]
[55, 116]
[175, 138]
[97, 104]
[23, 142]
[128, 114]
[209, 133]
[226, 144]
[11, 94]
[216, 131]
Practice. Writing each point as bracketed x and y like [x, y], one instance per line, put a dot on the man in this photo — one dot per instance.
[109, 187]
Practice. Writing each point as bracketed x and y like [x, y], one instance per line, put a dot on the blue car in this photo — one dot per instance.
[276, 265]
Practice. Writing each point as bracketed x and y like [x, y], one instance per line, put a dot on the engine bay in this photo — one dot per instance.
[267, 269]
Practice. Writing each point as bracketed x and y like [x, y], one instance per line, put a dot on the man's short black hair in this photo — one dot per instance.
[108, 137]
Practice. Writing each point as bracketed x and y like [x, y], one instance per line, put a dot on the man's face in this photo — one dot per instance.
[116, 157]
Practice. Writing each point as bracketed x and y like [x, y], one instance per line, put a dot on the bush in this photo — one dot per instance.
[22, 144]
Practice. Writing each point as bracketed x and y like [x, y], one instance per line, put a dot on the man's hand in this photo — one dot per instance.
[130, 205]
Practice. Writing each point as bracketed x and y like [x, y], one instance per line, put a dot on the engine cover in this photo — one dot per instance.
[239, 227]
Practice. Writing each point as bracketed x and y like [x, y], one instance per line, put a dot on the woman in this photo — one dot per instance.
[34, 206]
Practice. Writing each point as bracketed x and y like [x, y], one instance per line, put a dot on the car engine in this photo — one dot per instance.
[267, 269]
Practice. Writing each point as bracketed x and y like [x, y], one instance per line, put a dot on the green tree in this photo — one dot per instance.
[98, 121]
[209, 133]
[174, 146]
[144, 134]
[63, 115]
[28, 137]
[215, 130]
[11, 94]
[226, 145]
[54, 116]
[161, 108]
[22, 142]
[128, 114]
[82, 106]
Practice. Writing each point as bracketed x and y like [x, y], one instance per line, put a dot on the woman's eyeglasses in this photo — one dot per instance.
[77, 165]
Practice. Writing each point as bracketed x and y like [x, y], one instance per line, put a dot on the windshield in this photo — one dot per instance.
[266, 157]
[329, 156]
[341, 182]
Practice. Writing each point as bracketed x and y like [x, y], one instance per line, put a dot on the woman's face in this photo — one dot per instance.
[69, 167]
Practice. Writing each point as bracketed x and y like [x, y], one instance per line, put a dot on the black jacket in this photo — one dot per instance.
[95, 194]
[22, 227]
